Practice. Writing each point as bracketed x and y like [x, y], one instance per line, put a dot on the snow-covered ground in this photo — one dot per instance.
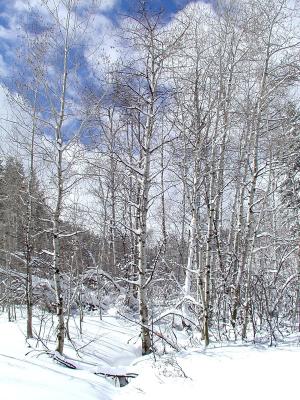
[219, 372]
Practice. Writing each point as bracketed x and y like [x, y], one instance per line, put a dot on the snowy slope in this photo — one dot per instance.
[227, 372]
[29, 377]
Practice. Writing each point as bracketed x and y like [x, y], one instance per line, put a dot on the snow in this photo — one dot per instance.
[221, 373]
[230, 371]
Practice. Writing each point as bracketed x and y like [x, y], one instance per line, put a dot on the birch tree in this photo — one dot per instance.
[142, 81]
[66, 28]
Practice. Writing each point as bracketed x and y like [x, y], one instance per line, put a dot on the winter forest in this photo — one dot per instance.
[150, 165]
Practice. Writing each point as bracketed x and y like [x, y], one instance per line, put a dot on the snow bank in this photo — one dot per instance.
[221, 372]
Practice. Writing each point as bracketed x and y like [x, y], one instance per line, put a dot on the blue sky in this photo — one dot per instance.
[170, 6]
[13, 14]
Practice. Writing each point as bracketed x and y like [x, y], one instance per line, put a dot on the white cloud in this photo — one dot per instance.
[107, 5]
[7, 145]
[6, 33]
[101, 42]
[3, 67]
[21, 5]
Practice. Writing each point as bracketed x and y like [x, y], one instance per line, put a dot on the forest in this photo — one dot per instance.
[153, 165]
